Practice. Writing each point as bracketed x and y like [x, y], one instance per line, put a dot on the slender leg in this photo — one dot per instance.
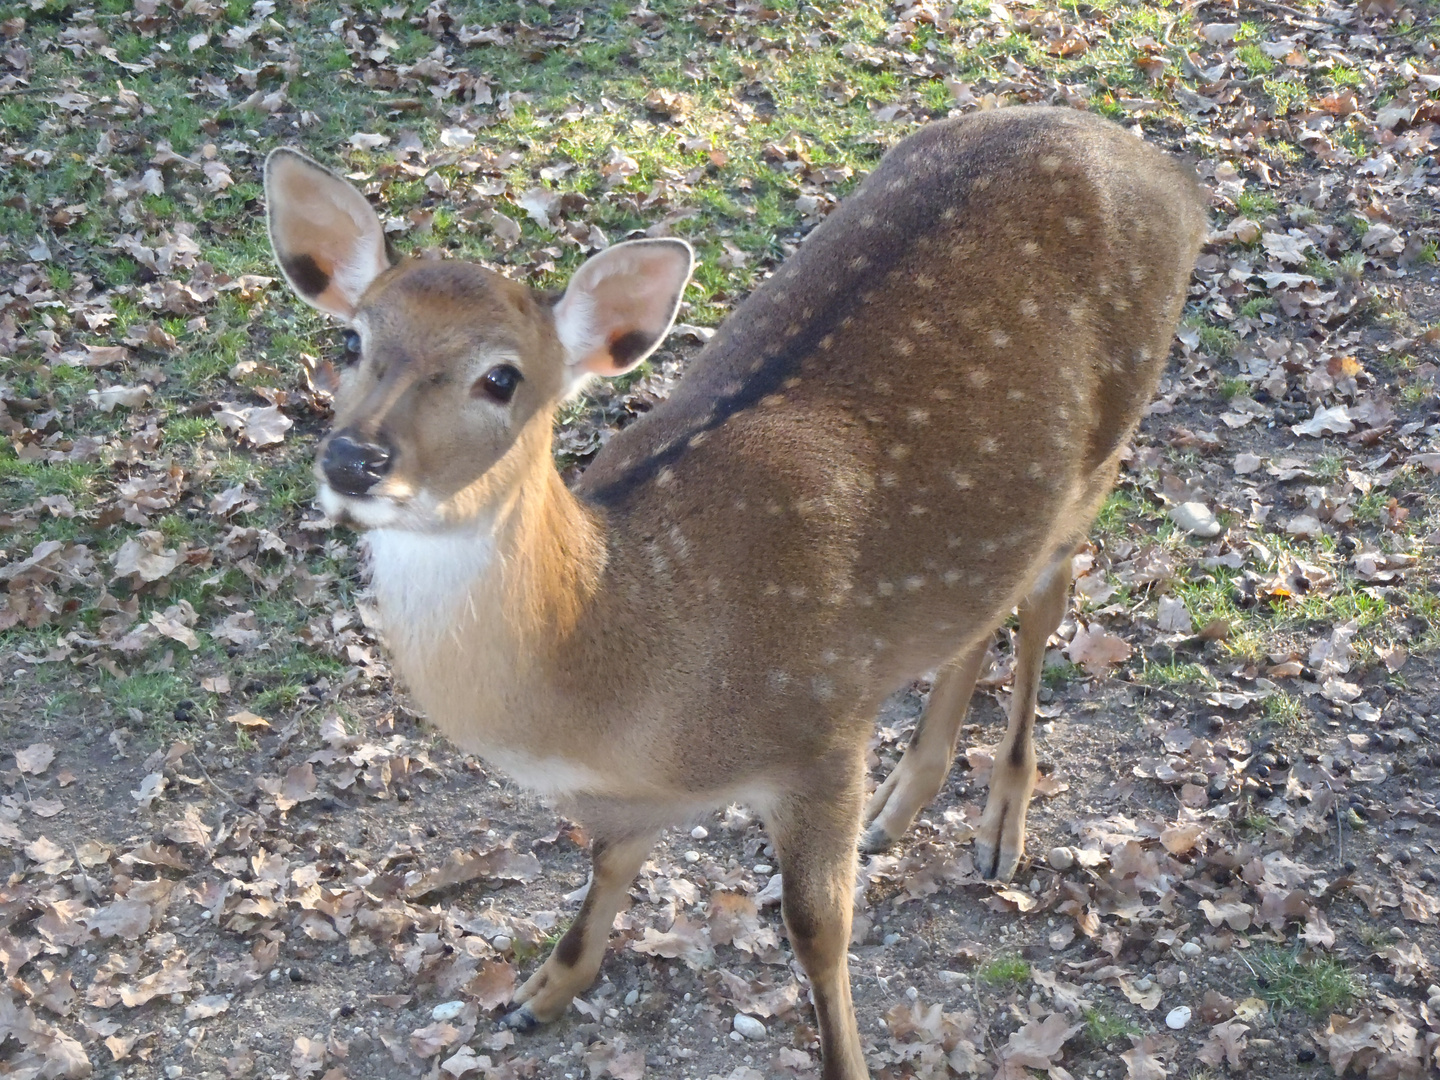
[814, 832]
[1000, 841]
[922, 771]
[575, 960]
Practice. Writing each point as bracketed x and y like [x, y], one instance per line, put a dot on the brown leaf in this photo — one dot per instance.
[126, 919]
[493, 985]
[307, 1056]
[146, 556]
[1143, 1060]
[247, 719]
[1096, 650]
[259, 425]
[431, 1039]
[35, 759]
[1226, 1043]
[1036, 1045]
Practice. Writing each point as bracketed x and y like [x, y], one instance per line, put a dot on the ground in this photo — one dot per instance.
[234, 851]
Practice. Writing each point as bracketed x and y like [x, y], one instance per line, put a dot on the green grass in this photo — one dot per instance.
[1103, 1027]
[1256, 204]
[1286, 710]
[1233, 387]
[1005, 972]
[1319, 986]
[780, 69]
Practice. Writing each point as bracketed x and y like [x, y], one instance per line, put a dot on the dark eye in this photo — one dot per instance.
[499, 383]
[352, 344]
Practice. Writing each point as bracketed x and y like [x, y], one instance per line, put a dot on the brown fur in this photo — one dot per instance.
[897, 440]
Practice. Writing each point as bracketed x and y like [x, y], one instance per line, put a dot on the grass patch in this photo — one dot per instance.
[1285, 710]
[1318, 987]
[1255, 203]
[1005, 972]
[1103, 1027]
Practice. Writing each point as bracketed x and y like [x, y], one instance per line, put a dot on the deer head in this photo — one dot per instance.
[454, 370]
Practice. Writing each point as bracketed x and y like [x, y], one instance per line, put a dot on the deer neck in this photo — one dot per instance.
[475, 614]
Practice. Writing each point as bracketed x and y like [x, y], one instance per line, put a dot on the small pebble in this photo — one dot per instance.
[1178, 1017]
[692, 856]
[447, 1011]
[749, 1027]
[501, 942]
[631, 998]
[699, 832]
[1061, 858]
[1191, 949]
[891, 939]
[762, 868]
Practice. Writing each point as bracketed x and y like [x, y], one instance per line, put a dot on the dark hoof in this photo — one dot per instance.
[875, 840]
[985, 861]
[995, 865]
[521, 1019]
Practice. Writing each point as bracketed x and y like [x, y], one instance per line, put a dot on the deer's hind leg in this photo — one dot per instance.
[926, 762]
[814, 827]
[575, 961]
[1000, 840]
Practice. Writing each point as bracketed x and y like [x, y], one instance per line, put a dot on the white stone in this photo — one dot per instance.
[762, 869]
[1196, 519]
[1191, 949]
[699, 832]
[448, 1010]
[692, 856]
[1178, 1017]
[749, 1027]
[1061, 858]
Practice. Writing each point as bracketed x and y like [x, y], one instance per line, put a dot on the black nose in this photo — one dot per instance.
[353, 467]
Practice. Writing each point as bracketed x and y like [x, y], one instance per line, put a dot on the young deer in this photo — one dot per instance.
[899, 438]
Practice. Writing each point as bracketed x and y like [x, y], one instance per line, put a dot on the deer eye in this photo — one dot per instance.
[498, 383]
[352, 344]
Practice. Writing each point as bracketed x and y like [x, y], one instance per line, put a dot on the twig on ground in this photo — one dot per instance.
[211, 781]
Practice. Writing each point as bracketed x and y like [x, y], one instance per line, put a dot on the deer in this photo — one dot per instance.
[898, 439]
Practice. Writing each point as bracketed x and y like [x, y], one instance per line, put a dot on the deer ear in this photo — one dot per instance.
[619, 306]
[326, 238]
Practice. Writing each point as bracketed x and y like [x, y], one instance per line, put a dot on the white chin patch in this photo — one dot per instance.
[376, 512]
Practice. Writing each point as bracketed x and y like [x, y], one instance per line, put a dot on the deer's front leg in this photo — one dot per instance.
[575, 960]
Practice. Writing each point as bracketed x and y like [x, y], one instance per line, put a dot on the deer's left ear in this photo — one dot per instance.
[328, 241]
[619, 306]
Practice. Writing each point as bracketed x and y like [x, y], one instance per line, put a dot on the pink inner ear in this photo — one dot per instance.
[327, 239]
[621, 303]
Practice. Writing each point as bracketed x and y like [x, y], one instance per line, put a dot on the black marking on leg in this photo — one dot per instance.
[918, 733]
[305, 274]
[568, 951]
[1019, 749]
